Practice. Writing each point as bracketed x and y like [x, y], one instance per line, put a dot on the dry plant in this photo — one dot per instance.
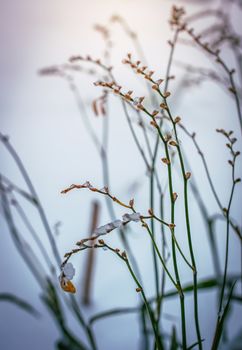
[163, 156]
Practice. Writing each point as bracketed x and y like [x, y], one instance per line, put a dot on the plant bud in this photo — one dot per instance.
[188, 175]
[166, 161]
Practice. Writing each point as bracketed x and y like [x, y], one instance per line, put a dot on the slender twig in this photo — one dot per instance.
[29, 184]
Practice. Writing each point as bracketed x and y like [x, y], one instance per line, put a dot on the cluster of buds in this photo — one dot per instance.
[51, 71]
[230, 144]
[104, 191]
[137, 102]
[177, 14]
[227, 134]
[63, 70]
[88, 58]
[86, 184]
[138, 68]
[145, 72]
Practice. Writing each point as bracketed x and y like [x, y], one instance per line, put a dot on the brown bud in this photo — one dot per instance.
[153, 123]
[150, 211]
[131, 203]
[166, 161]
[173, 143]
[231, 89]
[174, 195]
[140, 106]
[177, 120]
[138, 290]
[101, 241]
[168, 137]
[159, 81]
[188, 175]
[166, 94]
[124, 61]
[124, 255]
[155, 87]
[172, 226]
[154, 113]
[163, 106]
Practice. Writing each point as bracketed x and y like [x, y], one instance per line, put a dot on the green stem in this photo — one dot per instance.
[227, 241]
[152, 319]
[153, 248]
[149, 310]
[189, 236]
[178, 284]
[160, 257]
[175, 240]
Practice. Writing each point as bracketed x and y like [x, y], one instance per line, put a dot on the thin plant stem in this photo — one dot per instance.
[185, 180]
[193, 138]
[224, 66]
[140, 289]
[227, 233]
[173, 237]
[29, 184]
[32, 231]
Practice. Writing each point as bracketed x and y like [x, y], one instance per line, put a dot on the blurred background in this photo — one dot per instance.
[45, 126]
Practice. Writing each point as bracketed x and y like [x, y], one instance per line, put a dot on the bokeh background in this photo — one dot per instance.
[44, 124]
